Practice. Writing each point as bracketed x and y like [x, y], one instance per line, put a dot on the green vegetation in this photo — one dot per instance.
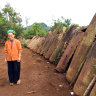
[76, 25]
[34, 30]
[45, 27]
[9, 19]
[61, 23]
[56, 55]
[25, 45]
[42, 25]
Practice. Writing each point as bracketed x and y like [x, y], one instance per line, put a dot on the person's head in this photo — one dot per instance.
[11, 34]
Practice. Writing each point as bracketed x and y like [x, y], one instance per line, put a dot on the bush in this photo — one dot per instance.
[61, 23]
[25, 45]
[34, 30]
[9, 19]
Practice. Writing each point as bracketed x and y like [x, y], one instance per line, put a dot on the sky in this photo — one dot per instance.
[79, 11]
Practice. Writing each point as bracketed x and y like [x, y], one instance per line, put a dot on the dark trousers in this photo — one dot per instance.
[13, 71]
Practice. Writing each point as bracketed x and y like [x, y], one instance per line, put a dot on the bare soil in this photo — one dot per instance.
[37, 75]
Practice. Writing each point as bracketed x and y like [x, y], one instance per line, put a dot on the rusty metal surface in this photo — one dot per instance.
[63, 63]
[39, 42]
[49, 41]
[93, 92]
[35, 42]
[51, 48]
[39, 49]
[46, 38]
[27, 41]
[46, 41]
[87, 73]
[82, 50]
[32, 42]
[58, 51]
[55, 43]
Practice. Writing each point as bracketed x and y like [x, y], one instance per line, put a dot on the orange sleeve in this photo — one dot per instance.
[5, 48]
[19, 46]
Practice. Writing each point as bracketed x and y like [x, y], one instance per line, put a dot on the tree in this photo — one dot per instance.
[11, 15]
[4, 25]
[35, 30]
[9, 19]
[67, 22]
[61, 23]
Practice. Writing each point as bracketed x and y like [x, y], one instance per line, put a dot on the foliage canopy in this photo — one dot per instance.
[10, 19]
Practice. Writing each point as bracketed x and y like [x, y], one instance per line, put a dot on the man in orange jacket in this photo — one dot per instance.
[13, 51]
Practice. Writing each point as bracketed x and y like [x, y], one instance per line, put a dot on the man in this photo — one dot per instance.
[13, 51]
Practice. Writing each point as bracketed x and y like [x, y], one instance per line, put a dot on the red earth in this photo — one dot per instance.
[37, 75]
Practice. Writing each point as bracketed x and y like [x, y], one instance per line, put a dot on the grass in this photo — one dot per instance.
[25, 44]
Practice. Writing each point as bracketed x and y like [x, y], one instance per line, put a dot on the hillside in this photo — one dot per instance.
[42, 25]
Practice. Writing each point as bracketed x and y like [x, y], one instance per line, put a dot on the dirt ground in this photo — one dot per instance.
[37, 75]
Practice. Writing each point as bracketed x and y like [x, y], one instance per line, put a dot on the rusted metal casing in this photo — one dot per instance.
[49, 42]
[55, 43]
[82, 51]
[93, 92]
[69, 52]
[87, 73]
[56, 55]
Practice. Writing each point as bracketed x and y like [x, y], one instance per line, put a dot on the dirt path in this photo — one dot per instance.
[37, 75]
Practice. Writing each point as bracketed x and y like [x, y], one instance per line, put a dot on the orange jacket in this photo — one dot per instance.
[13, 53]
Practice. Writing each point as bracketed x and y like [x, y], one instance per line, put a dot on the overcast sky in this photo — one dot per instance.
[80, 11]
